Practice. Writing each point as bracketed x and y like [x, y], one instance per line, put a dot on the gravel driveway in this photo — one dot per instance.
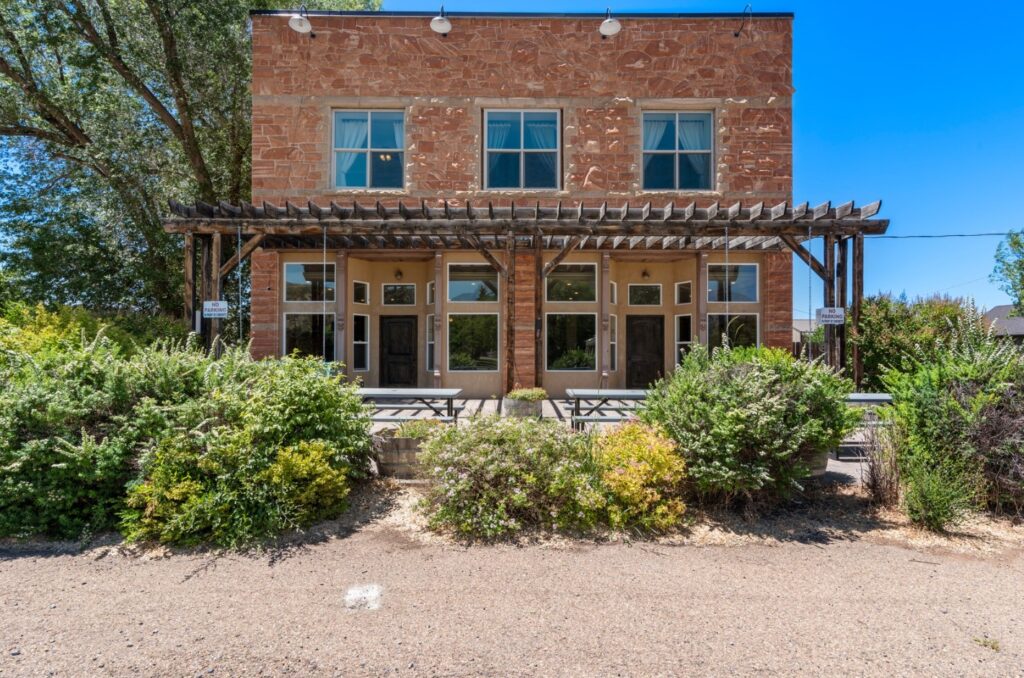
[856, 605]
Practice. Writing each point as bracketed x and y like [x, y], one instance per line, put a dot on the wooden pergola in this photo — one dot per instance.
[490, 229]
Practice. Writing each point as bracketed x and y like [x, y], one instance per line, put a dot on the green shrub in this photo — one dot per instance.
[496, 476]
[574, 359]
[252, 459]
[418, 428]
[527, 395]
[960, 416]
[937, 496]
[749, 420]
[642, 475]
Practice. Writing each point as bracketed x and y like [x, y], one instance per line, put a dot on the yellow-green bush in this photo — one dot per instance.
[642, 475]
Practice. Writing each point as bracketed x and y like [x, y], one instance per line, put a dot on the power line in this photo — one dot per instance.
[941, 235]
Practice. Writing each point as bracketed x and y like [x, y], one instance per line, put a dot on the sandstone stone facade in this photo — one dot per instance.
[600, 87]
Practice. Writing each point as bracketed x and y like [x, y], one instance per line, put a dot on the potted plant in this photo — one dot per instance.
[524, 402]
[397, 449]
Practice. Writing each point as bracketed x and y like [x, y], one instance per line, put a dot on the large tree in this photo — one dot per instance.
[108, 108]
[1009, 271]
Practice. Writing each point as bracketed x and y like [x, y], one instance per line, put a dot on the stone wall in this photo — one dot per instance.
[266, 303]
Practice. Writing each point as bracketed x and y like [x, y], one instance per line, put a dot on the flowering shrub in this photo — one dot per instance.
[749, 420]
[496, 476]
[642, 475]
[527, 395]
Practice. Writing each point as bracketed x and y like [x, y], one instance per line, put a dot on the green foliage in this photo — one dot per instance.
[252, 458]
[961, 424]
[642, 474]
[895, 334]
[418, 428]
[1009, 269]
[748, 420]
[496, 476]
[527, 395]
[79, 418]
[574, 359]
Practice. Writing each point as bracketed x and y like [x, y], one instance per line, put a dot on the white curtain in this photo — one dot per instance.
[350, 132]
[693, 135]
[655, 131]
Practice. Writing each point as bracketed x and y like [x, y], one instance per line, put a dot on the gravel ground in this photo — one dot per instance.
[822, 591]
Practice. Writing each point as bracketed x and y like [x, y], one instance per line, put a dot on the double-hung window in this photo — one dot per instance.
[521, 149]
[368, 149]
[677, 151]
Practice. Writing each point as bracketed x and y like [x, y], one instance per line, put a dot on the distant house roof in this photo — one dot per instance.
[1003, 322]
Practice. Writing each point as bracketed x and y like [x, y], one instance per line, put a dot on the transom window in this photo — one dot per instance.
[677, 151]
[644, 295]
[398, 294]
[368, 149]
[571, 341]
[308, 282]
[740, 328]
[522, 149]
[572, 282]
[472, 282]
[360, 292]
[735, 282]
[309, 334]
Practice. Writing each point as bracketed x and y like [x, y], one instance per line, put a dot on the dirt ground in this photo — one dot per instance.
[826, 588]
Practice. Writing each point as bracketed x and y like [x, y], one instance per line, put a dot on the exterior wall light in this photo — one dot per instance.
[398, 274]
[645, 275]
[300, 22]
[441, 24]
[610, 26]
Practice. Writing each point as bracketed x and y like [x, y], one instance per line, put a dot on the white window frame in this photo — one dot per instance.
[757, 281]
[613, 293]
[679, 343]
[284, 290]
[369, 150]
[661, 295]
[284, 330]
[753, 313]
[448, 349]
[399, 284]
[597, 284]
[597, 340]
[523, 151]
[613, 342]
[369, 330]
[448, 282]
[365, 284]
[677, 286]
[431, 293]
[712, 174]
[428, 342]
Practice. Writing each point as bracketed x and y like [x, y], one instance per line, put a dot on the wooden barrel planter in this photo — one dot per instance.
[397, 457]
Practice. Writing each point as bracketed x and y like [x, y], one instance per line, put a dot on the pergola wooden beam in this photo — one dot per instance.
[805, 255]
[241, 255]
[568, 247]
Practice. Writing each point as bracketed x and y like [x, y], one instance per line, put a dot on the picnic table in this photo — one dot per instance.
[439, 401]
[599, 404]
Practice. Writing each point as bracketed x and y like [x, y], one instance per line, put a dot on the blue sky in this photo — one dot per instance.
[918, 104]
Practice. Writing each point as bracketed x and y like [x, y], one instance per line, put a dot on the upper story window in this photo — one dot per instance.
[368, 149]
[677, 151]
[522, 149]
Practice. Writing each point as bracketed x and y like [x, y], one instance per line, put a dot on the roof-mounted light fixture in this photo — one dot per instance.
[610, 26]
[747, 11]
[300, 22]
[441, 24]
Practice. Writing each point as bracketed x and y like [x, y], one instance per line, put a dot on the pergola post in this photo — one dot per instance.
[215, 280]
[830, 296]
[190, 281]
[858, 298]
[843, 297]
[205, 269]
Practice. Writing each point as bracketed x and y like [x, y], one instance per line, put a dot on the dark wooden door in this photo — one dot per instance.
[398, 349]
[645, 349]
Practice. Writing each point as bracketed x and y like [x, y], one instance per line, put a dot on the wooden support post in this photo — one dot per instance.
[842, 297]
[538, 297]
[215, 290]
[830, 296]
[341, 310]
[858, 298]
[701, 290]
[604, 355]
[190, 281]
[205, 266]
[440, 343]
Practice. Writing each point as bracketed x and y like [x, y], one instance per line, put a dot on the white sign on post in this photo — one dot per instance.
[215, 309]
[832, 315]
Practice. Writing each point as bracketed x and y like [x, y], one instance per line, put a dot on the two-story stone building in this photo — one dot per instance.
[522, 200]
